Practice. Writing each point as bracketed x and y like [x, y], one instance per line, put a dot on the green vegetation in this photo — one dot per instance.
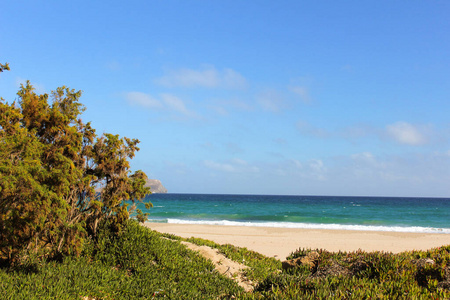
[139, 263]
[361, 275]
[4, 67]
[260, 265]
[136, 263]
[50, 164]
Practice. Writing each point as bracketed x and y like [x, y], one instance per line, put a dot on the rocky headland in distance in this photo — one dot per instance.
[156, 186]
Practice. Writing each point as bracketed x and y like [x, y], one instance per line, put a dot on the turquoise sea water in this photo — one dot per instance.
[322, 212]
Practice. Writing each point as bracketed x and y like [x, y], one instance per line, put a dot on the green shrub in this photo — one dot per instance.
[50, 164]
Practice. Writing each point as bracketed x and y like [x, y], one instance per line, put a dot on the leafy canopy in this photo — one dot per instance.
[50, 166]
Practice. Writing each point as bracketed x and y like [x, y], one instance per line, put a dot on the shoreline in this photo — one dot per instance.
[281, 242]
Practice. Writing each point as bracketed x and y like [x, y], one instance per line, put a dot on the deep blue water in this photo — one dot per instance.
[327, 212]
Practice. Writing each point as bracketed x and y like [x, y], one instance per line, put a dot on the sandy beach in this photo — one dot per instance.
[280, 242]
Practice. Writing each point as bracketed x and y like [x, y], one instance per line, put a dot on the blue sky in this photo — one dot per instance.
[252, 97]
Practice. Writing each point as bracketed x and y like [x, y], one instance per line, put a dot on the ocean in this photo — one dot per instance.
[425, 215]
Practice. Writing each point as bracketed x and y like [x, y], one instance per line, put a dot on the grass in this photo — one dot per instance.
[142, 264]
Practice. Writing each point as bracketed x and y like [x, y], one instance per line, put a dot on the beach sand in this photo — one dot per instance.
[280, 242]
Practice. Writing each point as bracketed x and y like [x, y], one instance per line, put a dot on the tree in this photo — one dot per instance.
[4, 67]
[50, 164]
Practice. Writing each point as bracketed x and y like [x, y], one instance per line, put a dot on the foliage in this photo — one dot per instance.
[260, 265]
[342, 275]
[136, 263]
[4, 67]
[50, 164]
[362, 275]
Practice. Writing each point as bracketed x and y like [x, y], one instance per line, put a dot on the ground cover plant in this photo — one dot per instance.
[260, 265]
[136, 263]
[139, 263]
[361, 275]
[319, 274]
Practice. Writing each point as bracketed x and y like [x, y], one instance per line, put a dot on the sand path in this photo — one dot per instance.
[223, 265]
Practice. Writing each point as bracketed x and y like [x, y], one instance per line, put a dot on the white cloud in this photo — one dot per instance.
[399, 175]
[235, 165]
[297, 164]
[362, 173]
[271, 100]
[358, 131]
[225, 107]
[317, 166]
[208, 77]
[366, 173]
[405, 133]
[280, 141]
[177, 167]
[223, 167]
[113, 65]
[313, 169]
[348, 68]
[300, 86]
[239, 161]
[233, 148]
[167, 102]
[176, 104]
[190, 78]
[220, 110]
[233, 79]
[364, 165]
[399, 132]
[350, 133]
[142, 99]
[364, 157]
[302, 92]
[307, 129]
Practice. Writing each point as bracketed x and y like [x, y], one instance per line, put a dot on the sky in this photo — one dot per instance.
[345, 98]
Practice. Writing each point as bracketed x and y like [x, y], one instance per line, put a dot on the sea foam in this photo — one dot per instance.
[416, 229]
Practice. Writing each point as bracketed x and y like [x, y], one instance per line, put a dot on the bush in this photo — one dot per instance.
[50, 164]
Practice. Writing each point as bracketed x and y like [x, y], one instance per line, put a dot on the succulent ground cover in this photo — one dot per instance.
[136, 264]
[321, 274]
[139, 263]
